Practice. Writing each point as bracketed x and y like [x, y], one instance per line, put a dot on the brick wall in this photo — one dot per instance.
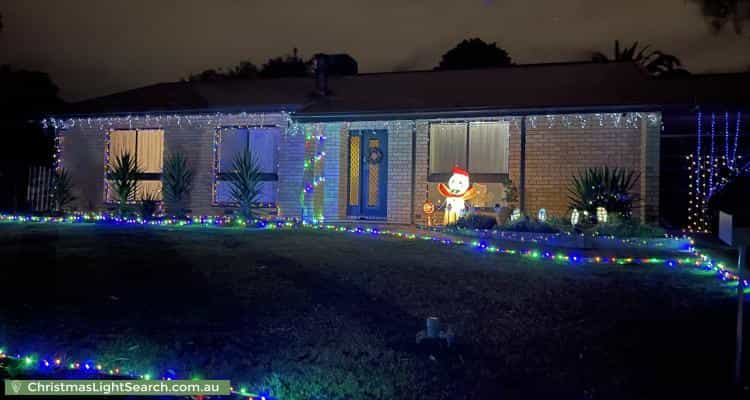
[558, 148]
[84, 148]
[336, 167]
[555, 151]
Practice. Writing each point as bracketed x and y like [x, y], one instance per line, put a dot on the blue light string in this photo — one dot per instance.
[736, 138]
[711, 158]
[726, 135]
[698, 154]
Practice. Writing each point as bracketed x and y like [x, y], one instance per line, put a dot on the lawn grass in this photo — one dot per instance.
[324, 314]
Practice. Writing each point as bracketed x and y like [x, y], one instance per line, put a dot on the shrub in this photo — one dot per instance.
[628, 227]
[475, 221]
[177, 182]
[149, 206]
[604, 187]
[62, 190]
[123, 176]
[525, 224]
[245, 182]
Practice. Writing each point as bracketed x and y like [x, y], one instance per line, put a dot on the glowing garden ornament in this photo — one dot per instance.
[542, 215]
[601, 215]
[428, 208]
[574, 216]
[515, 215]
[458, 190]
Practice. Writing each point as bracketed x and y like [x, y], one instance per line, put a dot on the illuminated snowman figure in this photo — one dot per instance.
[458, 190]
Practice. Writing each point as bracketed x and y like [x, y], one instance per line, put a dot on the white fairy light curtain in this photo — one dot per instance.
[717, 159]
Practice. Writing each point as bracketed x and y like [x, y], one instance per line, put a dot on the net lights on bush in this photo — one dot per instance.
[59, 364]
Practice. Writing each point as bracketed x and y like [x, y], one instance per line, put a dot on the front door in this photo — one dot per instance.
[368, 173]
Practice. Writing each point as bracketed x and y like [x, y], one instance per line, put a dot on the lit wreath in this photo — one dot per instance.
[375, 155]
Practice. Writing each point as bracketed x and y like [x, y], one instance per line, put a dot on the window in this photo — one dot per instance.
[147, 146]
[262, 142]
[480, 146]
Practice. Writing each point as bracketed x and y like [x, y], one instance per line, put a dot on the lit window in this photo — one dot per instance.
[147, 147]
[481, 147]
[262, 143]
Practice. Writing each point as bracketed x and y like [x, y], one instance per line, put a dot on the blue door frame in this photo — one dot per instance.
[368, 173]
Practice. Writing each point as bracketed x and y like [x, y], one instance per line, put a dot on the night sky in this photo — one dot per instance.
[96, 47]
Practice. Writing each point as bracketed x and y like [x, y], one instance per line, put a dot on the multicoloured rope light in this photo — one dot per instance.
[90, 368]
[695, 260]
[58, 364]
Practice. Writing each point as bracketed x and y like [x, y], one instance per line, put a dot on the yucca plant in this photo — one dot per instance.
[149, 205]
[604, 187]
[62, 190]
[245, 182]
[123, 176]
[177, 182]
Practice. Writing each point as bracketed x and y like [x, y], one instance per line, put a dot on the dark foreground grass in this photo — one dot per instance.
[330, 315]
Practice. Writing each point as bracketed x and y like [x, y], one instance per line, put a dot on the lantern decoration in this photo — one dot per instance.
[428, 208]
[515, 215]
[601, 215]
[574, 215]
[542, 215]
[458, 190]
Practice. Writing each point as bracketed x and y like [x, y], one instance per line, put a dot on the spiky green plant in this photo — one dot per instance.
[245, 182]
[62, 190]
[177, 182]
[123, 176]
[604, 187]
[149, 205]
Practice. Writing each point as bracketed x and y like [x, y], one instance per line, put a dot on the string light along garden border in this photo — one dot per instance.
[30, 362]
[697, 259]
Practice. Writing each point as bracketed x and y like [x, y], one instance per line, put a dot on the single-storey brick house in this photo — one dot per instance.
[376, 146]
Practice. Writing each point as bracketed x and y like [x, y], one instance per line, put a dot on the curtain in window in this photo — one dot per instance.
[262, 142]
[263, 146]
[447, 147]
[151, 151]
[121, 142]
[148, 190]
[233, 142]
[488, 147]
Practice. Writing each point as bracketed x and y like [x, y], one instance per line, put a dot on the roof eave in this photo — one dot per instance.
[474, 112]
[276, 108]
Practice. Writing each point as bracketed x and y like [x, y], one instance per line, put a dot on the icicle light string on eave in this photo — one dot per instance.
[696, 260]
[617, 120]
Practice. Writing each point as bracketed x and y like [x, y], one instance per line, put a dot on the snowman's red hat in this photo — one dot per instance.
[460, 171]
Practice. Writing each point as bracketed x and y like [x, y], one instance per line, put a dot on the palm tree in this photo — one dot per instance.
[656, 63]
[721, 12]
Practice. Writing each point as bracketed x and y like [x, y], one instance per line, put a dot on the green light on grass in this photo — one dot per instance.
[28, 360]
[147, 377]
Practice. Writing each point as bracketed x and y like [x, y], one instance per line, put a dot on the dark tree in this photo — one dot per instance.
[655, 62]
[475, 53]
[721, 12]
[25, 98]
[278, 67]
[288, 66]
[245, 70]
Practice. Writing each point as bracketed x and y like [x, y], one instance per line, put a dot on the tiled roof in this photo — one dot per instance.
[523, 88]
